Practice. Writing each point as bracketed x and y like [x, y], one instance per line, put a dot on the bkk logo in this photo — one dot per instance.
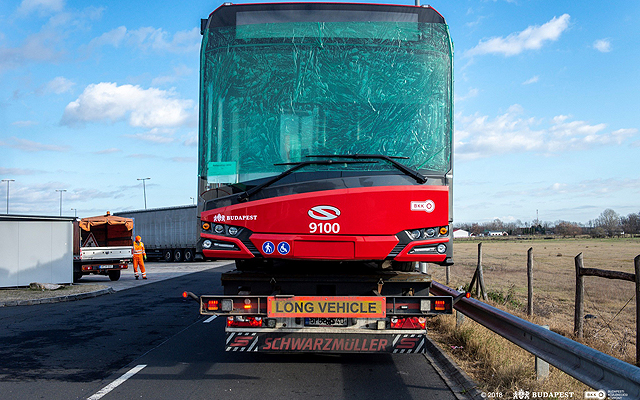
[427, 206]
[324, 213]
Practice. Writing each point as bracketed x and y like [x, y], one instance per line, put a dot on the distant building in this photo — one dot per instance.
[496, 233]
[461, 233]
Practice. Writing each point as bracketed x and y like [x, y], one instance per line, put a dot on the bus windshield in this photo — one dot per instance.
[275, 92]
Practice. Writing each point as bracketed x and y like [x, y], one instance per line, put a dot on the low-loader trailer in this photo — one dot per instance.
[356, 312]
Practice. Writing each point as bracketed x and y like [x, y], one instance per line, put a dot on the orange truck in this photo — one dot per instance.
[102, 245]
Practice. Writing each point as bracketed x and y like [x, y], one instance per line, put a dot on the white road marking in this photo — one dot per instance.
[211, 318]
[117, 382]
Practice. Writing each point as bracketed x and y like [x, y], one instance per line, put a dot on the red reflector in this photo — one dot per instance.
[244, 322]
[185, 295]
[212, 305]
[408, 323]
[467, 295]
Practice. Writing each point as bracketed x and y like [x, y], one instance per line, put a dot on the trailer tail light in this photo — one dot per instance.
[244, 322]
[213, 305]
[409, 323]
[439, 305]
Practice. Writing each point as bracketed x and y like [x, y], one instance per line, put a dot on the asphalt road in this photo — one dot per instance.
[74, 350]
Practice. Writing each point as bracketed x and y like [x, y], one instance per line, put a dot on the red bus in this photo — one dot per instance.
[325, 135]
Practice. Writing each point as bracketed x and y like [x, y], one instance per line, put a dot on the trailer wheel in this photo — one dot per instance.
[114, 275]
[167, 255]
[177, 255]
[407, 266]
[77, 276]
[188, 255]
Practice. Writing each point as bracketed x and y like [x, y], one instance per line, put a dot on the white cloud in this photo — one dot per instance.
[178, 72]
[18, 171]
[602, 45]
[108, 151]
[40, 6]
[59, 85]
[24, 124]
[531, 80]
[479, 136]
[191, 140]
[28, 145]
[153, 136]
[532, 38]
[149, 38]
[473, 92]
[112, 38]
[147, 108]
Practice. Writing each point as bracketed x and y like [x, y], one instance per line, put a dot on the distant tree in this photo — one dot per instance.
[630, 224]
[566, 228]
[609, 220]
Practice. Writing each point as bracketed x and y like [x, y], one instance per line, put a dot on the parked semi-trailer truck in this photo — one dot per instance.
[169, 234]
[325, 173]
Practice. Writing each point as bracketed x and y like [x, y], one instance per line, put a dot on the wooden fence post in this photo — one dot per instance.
[478, 268]
[578, 321]
[636, 264]
[530, 281]
[483, 289]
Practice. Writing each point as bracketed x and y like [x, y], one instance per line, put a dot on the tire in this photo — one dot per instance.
[188, 255]
[406, 266]
[177, 255]
[114, 275]
[167, 255]
[77, 276]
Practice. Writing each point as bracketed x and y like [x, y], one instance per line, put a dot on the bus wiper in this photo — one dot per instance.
[391, 159]
[244, 196]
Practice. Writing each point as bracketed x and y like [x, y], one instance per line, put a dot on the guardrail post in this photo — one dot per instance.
[448, 271]
[578, 321]
[636, 264]
[459, 319]
[542, 367]
[530, 281]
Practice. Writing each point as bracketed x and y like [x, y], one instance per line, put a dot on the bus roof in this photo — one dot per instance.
[244, 14]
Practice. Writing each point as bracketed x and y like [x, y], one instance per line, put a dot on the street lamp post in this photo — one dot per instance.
[193, 200]
[8, 180]
[61, 191]
[144, 190]
[75, 212]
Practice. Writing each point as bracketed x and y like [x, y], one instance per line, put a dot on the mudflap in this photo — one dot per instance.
[275, 342]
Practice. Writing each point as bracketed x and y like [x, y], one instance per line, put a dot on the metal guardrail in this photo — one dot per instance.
[598, 370]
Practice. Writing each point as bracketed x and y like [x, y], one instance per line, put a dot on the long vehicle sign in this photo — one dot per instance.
[329, 307]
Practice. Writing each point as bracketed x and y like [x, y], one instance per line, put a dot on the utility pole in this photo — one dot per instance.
[75, 212]
[144, 190]
[193, 200]
[8, 180]
[61, 191]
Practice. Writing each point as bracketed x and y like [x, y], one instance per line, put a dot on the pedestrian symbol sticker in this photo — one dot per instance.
[268, 247]
[283, 248]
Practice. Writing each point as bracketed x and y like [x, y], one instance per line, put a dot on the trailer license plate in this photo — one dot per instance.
[325, 322]
[105, 266]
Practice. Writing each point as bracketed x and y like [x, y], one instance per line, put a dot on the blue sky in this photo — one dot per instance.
[96, 94]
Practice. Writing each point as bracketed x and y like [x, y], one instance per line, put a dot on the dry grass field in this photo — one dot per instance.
[497, 364]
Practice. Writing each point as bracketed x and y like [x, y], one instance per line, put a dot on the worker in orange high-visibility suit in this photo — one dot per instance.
[139, 255]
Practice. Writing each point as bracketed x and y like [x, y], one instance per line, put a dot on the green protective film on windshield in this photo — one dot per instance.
[275, 93]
